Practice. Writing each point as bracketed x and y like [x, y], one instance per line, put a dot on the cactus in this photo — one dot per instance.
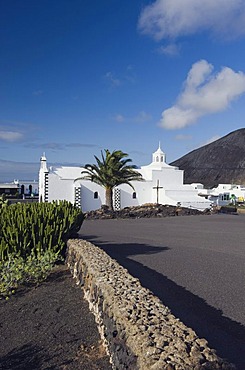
[29, 228]
[3, 201]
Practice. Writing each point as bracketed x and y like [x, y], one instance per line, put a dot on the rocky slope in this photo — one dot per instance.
[143, 211]
[222, 161]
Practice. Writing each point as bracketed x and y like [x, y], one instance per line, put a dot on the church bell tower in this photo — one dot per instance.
[43, 179]
[158, 157]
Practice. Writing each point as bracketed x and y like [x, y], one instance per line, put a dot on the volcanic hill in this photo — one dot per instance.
[220, 162]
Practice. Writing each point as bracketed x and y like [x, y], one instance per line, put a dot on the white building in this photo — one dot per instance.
[24, 187]
[162, 184]
[224, 194]
[27, 187]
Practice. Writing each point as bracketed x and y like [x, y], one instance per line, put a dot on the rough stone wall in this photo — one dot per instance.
[138, 331]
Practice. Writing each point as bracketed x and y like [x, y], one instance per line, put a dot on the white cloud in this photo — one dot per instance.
[81, 145]
[204, 93]
[54, 146]
[142, 117]
[212, 139]
[10, 136]
[170, 50]
[18, 170]
[130, 75]
[14, 131]
[113, 81]
[126, 76]
[119, 118]
[175, 18]
[51, 146]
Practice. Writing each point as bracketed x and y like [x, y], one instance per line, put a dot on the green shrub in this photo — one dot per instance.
[32, 239]
[30, 228]
[3, 201]
[15, 270]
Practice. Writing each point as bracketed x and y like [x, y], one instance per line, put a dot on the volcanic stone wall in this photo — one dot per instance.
[138, 331]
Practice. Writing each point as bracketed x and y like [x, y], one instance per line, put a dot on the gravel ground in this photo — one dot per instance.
[50, 327]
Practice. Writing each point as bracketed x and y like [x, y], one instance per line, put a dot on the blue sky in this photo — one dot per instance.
[79, 76]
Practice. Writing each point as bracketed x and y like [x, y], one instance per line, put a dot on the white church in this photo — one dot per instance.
[162, 184]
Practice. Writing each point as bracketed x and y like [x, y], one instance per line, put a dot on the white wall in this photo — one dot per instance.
[60, 189]
[62, 182]
[26, 185]
[143, 193]
[169, 179]
[87, 195]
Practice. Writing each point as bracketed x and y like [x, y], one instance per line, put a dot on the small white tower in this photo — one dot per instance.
[43, 161]
[159, 157]
[43, 179]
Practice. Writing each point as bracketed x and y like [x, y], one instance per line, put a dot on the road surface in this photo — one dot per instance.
[194, 264]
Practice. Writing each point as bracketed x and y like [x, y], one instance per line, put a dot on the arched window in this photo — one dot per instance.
[30, 189]
[157, 159]
[96, 195]
[22, 189]
[161, 158]
[134, 195]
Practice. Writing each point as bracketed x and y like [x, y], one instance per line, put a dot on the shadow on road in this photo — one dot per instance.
[226, 336]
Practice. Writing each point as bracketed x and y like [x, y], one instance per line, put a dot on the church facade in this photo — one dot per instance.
[162, 184]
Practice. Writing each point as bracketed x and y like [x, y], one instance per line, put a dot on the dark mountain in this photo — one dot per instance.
[221, 162]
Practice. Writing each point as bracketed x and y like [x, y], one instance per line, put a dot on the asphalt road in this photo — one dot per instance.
[194, 264]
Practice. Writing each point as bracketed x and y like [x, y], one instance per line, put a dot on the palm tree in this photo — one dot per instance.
[112, 170]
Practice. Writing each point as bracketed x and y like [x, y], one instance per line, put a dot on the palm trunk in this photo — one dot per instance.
[108, 198]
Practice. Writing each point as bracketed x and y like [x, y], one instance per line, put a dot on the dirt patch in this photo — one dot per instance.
[50, 327]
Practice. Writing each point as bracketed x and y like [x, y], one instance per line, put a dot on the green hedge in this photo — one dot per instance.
[33, 227]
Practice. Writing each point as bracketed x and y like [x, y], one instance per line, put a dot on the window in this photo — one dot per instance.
[157, 159]
[134, 195]
[226, 196]
[96, 195]
[161, 158]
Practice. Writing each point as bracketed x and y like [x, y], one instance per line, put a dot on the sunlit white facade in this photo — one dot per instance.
[162, 184]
